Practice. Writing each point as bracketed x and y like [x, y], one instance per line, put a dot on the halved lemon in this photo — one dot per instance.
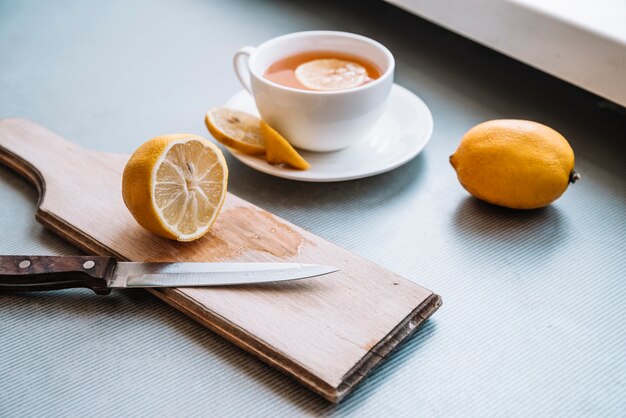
[331, 74]
[175, 185]
[237, 130]
[279, 151]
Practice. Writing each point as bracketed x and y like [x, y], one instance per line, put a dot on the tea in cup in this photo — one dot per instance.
[322, 71]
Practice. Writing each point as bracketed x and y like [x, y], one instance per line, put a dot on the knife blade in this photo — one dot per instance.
[101, 274]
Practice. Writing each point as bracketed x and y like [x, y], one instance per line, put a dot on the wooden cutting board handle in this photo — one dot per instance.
[29, 149]
[328, 333]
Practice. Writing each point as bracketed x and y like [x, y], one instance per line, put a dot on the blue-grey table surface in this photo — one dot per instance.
[533, 321]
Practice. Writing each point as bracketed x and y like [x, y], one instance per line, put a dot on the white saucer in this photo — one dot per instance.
[402, 132]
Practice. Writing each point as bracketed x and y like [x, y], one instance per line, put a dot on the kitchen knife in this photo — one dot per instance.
[101, 274]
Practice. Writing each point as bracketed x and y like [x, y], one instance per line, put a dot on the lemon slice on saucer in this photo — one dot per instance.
[331, 74]
[175, 185]
[279, 151]
[237, 130]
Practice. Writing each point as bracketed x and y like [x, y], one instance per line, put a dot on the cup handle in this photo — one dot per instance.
[240, 62]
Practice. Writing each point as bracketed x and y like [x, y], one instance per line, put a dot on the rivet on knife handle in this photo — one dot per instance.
[28, 273]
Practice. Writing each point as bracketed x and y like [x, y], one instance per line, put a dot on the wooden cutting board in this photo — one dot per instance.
[328, 333]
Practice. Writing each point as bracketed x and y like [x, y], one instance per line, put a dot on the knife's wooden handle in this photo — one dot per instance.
[26, 273]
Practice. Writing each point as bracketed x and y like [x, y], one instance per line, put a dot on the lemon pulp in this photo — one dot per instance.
[188, 187]
[237, 130]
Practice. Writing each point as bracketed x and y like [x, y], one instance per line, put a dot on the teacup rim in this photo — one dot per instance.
[388, 72]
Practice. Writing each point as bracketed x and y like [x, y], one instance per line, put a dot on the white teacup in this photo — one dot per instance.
[317, 120]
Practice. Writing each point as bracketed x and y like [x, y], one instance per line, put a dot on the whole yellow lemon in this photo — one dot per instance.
[514, 163]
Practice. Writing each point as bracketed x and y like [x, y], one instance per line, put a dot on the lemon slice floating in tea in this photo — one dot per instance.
[331, 74]
[175, 185]
[237, 130]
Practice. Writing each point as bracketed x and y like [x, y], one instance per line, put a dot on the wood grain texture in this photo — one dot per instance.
[326, 332]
